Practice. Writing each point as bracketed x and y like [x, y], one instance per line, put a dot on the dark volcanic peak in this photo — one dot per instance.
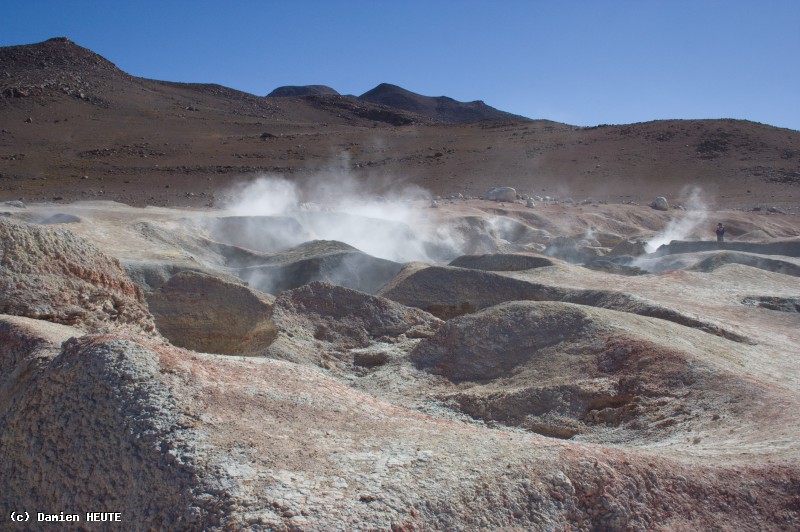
[302, 90]
[58, 53]
[438, 107]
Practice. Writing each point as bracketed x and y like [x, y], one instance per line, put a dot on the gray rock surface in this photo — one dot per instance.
[501, 194]
[660, 204]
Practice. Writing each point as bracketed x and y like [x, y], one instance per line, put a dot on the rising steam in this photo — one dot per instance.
[335, 207]
[683, 226]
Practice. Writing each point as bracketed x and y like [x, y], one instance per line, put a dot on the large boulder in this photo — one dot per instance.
[51, 274]
[660, 204]
[501, 194]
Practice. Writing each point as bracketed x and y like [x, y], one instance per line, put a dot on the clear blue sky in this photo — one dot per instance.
[580, 62]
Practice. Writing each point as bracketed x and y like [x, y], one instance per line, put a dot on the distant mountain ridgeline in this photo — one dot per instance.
[440, 108]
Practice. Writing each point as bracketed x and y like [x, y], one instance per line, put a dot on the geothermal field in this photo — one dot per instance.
[383, 320]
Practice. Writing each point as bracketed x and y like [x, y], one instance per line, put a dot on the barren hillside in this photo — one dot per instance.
[76, 127]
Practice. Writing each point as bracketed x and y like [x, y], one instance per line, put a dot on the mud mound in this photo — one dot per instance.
[51, 274]
[320, 260]
[501, 262]
[208, 314]
[577, 251]
[447, 292]
[563, 370]
[491, 343]
[93, 426]
[319, 320]
[722, 258]
[614, 267]
[787, 248]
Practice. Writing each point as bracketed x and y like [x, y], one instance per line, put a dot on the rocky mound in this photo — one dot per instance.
[447, 292]
[319, 323]
[441, 107]
[320, 260]
[788, 248]
[717, 260]
[181, 440]
[210, 315]
[302, 90]
[495, 235]
[93, 426]
[501, 262]
[58, 53]
[50, 274]
[564, 370]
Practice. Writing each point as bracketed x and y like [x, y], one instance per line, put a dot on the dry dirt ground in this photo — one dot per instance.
[517, 390]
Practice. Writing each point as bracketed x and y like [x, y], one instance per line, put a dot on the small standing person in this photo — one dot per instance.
[720, 232]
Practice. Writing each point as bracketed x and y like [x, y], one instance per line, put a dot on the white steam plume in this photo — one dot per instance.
[336, 207]
[683, 226]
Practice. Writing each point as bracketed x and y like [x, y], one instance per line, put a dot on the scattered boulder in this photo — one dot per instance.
[15, 204]
[501, 194]
[660, 204]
